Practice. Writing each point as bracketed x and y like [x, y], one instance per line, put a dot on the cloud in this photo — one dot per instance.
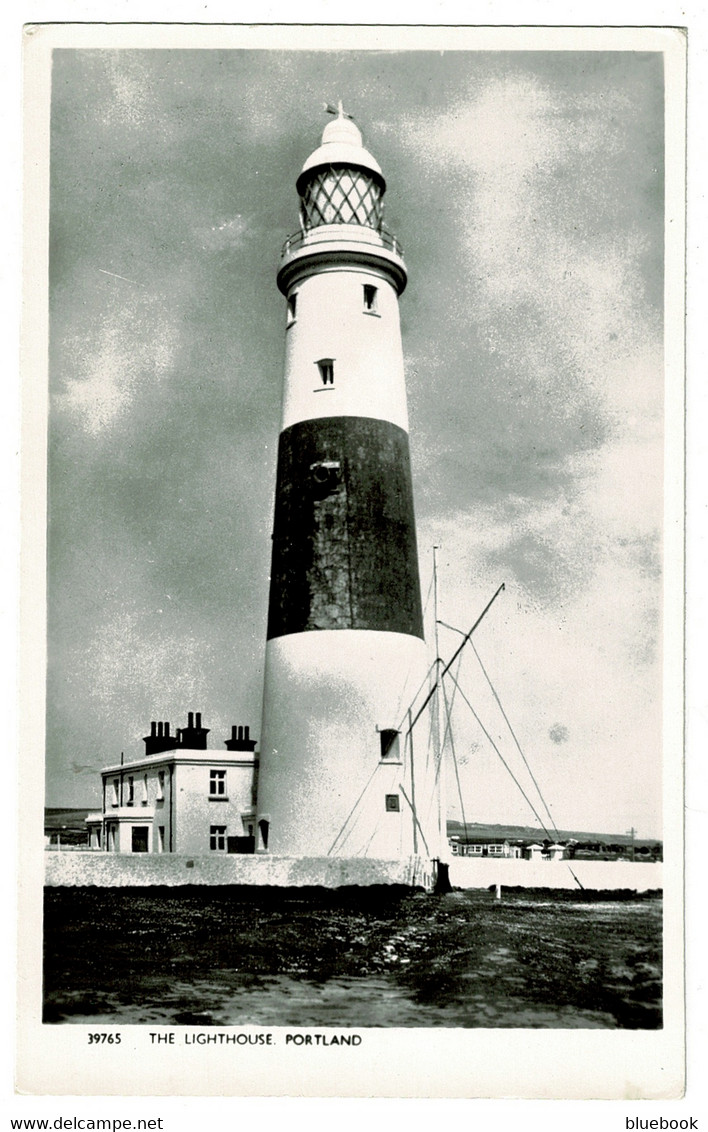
[225, 236]
[134, 342]
[131, 661]
[129, 100]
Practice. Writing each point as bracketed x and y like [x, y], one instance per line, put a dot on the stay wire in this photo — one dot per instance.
[539, 819]
[513, 735]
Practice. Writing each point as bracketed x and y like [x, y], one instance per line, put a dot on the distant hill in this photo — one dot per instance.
[58, 818]
[532, 833]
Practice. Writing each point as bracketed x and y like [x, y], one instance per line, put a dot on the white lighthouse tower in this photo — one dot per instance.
[345, 654]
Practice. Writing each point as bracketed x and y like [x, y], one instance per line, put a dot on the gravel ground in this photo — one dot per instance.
[359, 957]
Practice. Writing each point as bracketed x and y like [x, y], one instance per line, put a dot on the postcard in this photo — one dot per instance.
[353, 515]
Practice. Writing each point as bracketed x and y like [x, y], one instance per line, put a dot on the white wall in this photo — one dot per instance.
[482, 872]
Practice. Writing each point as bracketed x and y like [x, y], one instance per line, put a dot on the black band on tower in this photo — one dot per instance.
[344, 546]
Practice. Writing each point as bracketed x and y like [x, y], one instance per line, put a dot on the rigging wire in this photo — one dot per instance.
[420, 689]
[448, 666]
[484, 729]
[427, 596]
[513, 735]
[415, 817]
[448, 709]
[350, 815]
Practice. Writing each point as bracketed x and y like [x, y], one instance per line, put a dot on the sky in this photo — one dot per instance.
[527, 191]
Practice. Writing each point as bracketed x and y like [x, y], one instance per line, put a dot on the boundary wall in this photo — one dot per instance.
[115, 870]
[466, 872]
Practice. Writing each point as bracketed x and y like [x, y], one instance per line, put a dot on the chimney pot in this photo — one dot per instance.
[199, 719]
[153, 729]
[233, 732]
[159, 730]
[167, 729]
[240, 732]
[246, 731]
[190, 719]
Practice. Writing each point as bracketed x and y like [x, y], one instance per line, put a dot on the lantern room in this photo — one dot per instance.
[341, 183]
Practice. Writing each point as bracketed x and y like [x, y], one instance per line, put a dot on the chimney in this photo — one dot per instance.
[190, 719]
[159, 730]
[153, 730]
[240, 732]
[199, 720]
[167, 730]
[245, 733]
[234, 735]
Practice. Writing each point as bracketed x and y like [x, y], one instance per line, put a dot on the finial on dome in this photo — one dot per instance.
[338, 111]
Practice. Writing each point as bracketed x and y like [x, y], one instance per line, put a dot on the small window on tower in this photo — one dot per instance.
[393, 804]
[292, 307]
[370, 294]
[326, 368]
[390, 750]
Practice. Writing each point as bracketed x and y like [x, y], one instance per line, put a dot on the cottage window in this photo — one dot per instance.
[217, 784]
[495, 850]
[131, 791]
[161, 839]
[160, 785]
[217, 838]
[145, 790]
[115, 800]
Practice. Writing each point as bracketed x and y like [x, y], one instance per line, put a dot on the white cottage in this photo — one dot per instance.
[182, 797]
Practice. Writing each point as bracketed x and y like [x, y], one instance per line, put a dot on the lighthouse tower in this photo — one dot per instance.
[345, 655]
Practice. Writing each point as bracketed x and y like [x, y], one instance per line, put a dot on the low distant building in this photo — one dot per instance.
[480, 848]
[510, 847]
[182, 797]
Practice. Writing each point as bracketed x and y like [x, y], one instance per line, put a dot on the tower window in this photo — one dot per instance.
[131, 791]
[292, 307]
[390, 750]
[145, 790]
[393, 804]
[217, 838]
[370, 298]
[326, 368]
[160, 785]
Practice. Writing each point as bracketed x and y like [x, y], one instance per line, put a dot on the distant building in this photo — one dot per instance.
[518, 847]
[183, 797]
[473, 848]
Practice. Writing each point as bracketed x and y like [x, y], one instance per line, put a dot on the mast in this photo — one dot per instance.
[438, 735]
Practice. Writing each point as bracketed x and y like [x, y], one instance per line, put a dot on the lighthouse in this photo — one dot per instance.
[345, 654]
